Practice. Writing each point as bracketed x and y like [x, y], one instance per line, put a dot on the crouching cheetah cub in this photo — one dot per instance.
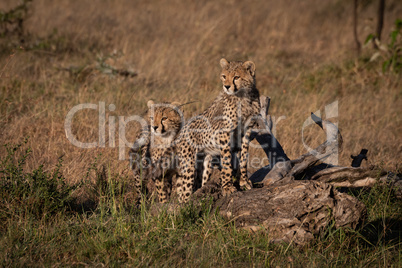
[217, 130]
[152, 153]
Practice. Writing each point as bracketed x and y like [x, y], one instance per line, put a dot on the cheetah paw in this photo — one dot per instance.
[228, 190]
[245, 184]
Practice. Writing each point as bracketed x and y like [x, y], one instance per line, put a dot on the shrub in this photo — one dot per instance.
[37, 194]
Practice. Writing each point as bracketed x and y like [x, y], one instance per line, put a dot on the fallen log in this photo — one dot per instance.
[294, 213]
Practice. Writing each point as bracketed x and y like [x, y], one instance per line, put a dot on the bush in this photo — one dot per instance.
[391, 53]
[37, 194]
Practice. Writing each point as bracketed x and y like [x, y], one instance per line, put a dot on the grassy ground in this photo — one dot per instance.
[305, 59]
[41, 224]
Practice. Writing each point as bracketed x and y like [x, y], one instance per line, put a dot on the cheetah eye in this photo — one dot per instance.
[236, 77]
[223, 76]
[164, 118]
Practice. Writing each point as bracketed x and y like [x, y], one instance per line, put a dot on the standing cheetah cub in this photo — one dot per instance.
[217, 130]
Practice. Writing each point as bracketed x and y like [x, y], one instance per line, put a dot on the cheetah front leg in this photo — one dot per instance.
[162, 181]
[163, 186]
[140, 166]
[245, 183]
[186, 177]
[227, 170]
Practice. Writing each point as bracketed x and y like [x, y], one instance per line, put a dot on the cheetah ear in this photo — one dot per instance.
[178, 106]
[250, 66]
[223, 63]
[150, 103]
[175, 103]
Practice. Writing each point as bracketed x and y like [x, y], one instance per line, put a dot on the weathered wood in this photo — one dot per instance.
[294, 212]
[266, 138]
[359, 177]
[349, 176]
[311, 166]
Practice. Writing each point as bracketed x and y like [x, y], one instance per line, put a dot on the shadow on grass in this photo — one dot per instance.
[385, 232]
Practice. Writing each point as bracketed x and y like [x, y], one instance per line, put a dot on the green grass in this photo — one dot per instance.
[42, 224]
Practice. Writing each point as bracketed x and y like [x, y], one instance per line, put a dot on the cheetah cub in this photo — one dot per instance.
[152, 154]
[220, 128]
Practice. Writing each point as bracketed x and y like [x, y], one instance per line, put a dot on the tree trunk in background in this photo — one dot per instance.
[380, 18]
[380, 23]
[358, 46]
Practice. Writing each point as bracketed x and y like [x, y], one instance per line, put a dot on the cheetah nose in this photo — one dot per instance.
[227, 87]
[155, 128]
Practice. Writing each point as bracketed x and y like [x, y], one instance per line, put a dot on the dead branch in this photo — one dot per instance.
[268, 142]
[348, 176]
[266, 138]
[311, 166]
[357, 159]
[294, 169]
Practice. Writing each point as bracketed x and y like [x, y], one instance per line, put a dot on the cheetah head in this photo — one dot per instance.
[165, 118]
[237, 76]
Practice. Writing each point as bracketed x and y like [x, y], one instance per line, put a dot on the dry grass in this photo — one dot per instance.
[303, 52]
